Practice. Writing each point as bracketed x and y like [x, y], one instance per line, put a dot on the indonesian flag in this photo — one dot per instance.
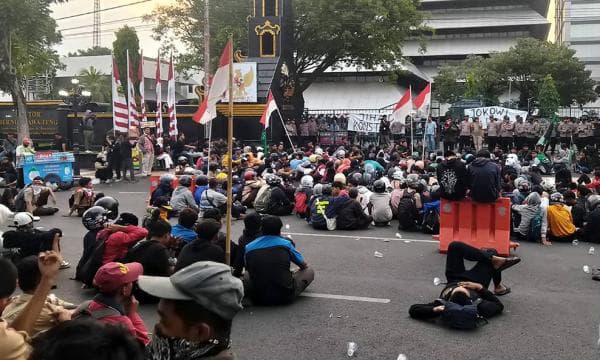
[133, 113]
[141, 87]
[119, 102]
[423, 100]
[159, 122]
[270, 107]
[403, 108]
[171, 101]
[220, 84]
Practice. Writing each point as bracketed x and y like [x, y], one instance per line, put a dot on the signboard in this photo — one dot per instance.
[46, 163]
[364, 123]
[43, 122]
[244, 83]
[498, 112]
[147, 124]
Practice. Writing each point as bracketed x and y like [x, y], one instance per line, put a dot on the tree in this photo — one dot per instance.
[327, 33]
[97, 83]
[93, 51]
[126, 39]
[549, 97]
[27, 35]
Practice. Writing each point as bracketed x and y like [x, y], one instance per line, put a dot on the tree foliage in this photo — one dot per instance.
[126, 39]
[97, 83]
[366, 33]
[27, 34]
[549, 97]
[525, 65]
[93, 51]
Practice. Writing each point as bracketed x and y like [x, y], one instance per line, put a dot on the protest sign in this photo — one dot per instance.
[498, 112]
[365, 123]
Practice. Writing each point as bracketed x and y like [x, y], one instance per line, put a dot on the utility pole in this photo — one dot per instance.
[206, 46]
[96, 28]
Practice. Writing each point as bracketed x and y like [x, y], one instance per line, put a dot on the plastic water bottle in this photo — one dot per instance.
[399, 236]
[592, 251]
[287, 226]
[575, 242]
[351, 349]
[437, 281]
[377, 254]
[402, 357]
[586, 269]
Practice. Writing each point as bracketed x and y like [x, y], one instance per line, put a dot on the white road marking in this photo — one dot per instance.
[345, 297]
[365, 237]
[133, 192]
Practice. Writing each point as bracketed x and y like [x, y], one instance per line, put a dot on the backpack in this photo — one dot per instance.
[535, 227]
[83, 312]
[461, 317]
[301, 203]
[134, 252]
[431, 221]
[407, 211]
[94, 262]
[261, 204]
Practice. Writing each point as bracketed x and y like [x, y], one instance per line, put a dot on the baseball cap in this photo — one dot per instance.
[113, 275]
[207, 283]
[24, 218]
[127, 219]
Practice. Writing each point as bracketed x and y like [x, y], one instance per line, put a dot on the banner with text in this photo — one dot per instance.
[365, 123]
[498, 112]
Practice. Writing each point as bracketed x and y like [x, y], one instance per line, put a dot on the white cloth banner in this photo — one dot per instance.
[365, 123]
[498, 112]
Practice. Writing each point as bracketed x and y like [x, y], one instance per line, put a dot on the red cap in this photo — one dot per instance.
[111, 276]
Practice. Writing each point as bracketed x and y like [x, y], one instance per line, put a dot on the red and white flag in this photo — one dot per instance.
[423, 100]
[142, 116]
[171, 101]
[119, 102]
[133, 112]
[403, 108]
[220, 84]
[270, 107]
[159, 122]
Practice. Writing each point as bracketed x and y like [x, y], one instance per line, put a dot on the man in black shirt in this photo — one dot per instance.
[60, 144]
[269, 280]
[484, 178]
[203, 248]
[452, 177]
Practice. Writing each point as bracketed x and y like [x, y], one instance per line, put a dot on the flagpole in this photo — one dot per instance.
[286, 131]
[230, 157]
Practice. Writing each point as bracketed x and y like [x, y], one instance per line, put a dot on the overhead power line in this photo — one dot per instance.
[102, 10]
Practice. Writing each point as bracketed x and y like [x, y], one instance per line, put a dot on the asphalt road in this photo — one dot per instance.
[552, 312]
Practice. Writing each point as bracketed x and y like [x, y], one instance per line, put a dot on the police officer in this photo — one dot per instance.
[530, 133]
[520, 131]
[465, 134]
[565, 131]
[492, 133]
[506, 134]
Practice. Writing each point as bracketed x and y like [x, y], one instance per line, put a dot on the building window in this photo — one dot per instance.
[270, 8]
[267, 45]
[190, 89]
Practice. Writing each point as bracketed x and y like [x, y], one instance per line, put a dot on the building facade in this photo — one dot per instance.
[581, 31]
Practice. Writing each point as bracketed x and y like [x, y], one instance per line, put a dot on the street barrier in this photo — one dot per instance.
[477, 224]
[155, 180]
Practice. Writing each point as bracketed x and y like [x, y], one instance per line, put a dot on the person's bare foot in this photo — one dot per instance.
[546, 243]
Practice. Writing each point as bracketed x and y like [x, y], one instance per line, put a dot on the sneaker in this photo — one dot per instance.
[118, 180]
[64, 265]
[107, 181]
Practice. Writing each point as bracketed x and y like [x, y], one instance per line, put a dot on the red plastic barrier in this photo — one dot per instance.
[477, 224]
[155, 180]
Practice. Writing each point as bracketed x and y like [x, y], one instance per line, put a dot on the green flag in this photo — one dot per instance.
[263, 139]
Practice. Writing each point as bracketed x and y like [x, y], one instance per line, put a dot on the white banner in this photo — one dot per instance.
[244, 83]
[366, 123]
[498, 112]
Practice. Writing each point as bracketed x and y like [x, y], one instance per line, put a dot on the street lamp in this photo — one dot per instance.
[76, 97]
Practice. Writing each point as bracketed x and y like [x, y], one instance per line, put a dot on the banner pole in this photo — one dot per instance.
[286, 132]
[230, 158]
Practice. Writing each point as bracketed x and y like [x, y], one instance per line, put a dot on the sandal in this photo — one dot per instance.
[502, 292]
[510, 261]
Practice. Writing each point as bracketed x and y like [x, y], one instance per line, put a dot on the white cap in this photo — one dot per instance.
[24, 218]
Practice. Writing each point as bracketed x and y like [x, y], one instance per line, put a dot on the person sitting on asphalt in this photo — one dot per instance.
[205, 247]
[185, 230]
[579, 210]
[530, 208]
[103, 170]
[69, 339]
[452, 177]
[350, 215]
[302, 196]
[318, 206]
[589, 232]
[196, 311]
[115, 303]
[468, 287]
[409, 203]
[251, 187]
[34, 199]
[94, 220]
[379, 204]
[560, 220]
[27, 240]
[252, 230]
[201, 186]
[164, 189]
[269, 280]
[211, 198]
[271, 199]
[82, 198]
[182, 197]
[29, 279]
[120, 236]
[14, 336]
[484, 179]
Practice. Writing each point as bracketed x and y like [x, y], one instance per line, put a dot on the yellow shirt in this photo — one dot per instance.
[560, 221]
[13, 343]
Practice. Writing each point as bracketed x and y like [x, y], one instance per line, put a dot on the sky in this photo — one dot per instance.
[77, 31]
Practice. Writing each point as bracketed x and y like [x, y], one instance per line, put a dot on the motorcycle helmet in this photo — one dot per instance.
[185, 181]
[111, 204]
[95, 217]
[592, 202]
